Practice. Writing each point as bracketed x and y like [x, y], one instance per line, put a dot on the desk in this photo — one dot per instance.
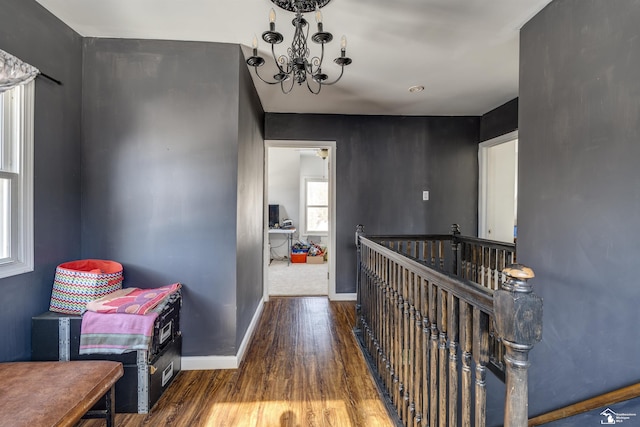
[288, 232]
[57, 393]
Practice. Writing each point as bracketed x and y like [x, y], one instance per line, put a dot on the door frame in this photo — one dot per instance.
[483, 154]
[331, 257]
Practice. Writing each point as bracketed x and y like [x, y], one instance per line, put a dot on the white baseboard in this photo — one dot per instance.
[249, 334]
[192, 363]
[344, 297]
[196, 363]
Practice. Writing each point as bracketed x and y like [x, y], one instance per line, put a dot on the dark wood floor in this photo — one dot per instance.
[303, 368]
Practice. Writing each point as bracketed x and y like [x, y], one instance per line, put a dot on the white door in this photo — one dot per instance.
[498, 189]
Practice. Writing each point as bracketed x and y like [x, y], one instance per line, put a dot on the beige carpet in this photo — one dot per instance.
[298, 279]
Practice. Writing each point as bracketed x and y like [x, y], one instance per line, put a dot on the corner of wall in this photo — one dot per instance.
[192, 363]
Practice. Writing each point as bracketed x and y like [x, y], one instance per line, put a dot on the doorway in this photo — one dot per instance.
[498, 192]
[299, 218]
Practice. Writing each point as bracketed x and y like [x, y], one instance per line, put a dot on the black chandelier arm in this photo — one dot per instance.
[266, 81]
[309, 66]
[321, 57]
[275, 59]
[283, 59]
[286, 91]
[313, 91]
[336, 80]
[317, 61]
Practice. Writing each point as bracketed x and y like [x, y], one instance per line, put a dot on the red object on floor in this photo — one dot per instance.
[299, 257]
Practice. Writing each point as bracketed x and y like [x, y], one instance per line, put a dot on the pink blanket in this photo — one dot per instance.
[115, 332]
[132, 300]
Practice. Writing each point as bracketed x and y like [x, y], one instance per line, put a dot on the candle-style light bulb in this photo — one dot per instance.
[272, 20]
[254, 44]
[343, 43]
[319, 18]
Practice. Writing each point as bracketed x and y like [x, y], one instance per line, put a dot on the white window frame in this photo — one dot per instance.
[308, 232]
[17, 114]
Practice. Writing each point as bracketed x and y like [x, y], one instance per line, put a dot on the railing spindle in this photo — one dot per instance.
[396, 324]
[492, 266]
[406, 345]
[426, 334]
[453, 314]
[455, 247]
[433, 352]
[466, 340]
[411, 350]
[464, 250]
[485, 268]
[417, 370]
[388, 313]
[480, 358]
[379, 310]
[474, 262]
[443, 358]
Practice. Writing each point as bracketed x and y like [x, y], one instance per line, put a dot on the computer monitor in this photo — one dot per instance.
[274, 215]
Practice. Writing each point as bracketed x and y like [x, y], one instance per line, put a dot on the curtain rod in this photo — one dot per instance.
[50, 78]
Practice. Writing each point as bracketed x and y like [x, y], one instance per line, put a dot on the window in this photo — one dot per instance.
[16, 180]
[316, 206]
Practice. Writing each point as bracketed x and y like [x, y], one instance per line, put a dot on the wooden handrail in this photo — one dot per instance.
[606, 399]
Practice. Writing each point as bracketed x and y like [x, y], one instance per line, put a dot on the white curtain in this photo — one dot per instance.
[14, 72]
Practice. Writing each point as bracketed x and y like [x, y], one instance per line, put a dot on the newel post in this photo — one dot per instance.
[455, 247]
[359, 232]
[518, 320]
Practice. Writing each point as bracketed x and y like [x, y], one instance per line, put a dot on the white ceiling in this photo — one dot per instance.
[464, 52]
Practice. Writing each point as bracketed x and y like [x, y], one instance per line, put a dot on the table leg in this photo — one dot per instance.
[110, 399]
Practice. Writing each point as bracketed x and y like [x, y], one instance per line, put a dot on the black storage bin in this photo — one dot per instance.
[147, 374]
[167, 325]
[143, 383]
[56, 336]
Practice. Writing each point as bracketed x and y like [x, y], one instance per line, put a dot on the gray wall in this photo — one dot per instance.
[164, 176]
[383, 163]
[31, 33]
[499, 121]
[250, 211]
[579, 198]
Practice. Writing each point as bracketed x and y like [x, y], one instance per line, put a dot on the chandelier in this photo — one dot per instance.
[298, 66]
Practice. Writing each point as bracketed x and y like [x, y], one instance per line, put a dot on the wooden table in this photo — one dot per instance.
[39, 394]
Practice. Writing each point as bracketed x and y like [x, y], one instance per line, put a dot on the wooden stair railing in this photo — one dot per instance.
[601, 401]
[479, 261]
[425, 332]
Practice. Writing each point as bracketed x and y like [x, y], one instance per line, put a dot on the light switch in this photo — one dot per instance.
[425, 195]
